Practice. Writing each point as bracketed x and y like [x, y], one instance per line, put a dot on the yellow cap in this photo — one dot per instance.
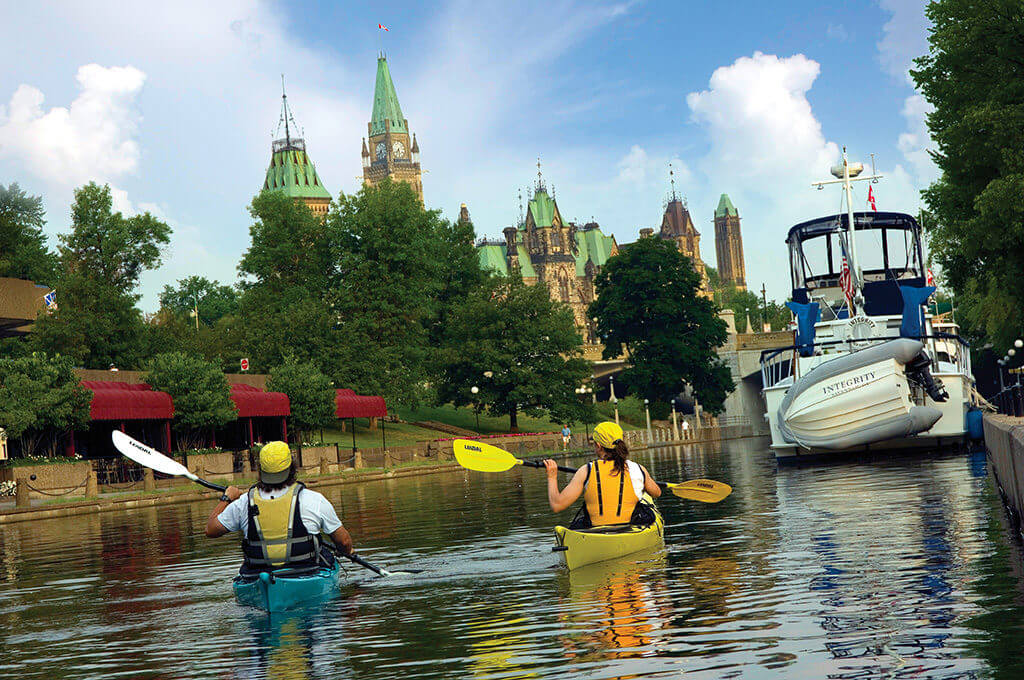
[275, 461]
[606, 434]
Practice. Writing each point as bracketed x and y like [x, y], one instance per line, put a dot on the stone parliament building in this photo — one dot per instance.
[542, 246]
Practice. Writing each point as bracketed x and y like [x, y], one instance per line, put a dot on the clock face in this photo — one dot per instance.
[398, 150]
[382, 151]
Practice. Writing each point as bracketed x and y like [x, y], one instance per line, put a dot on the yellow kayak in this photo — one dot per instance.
[598, 544]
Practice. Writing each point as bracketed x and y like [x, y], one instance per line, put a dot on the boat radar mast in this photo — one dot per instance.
[845, 173]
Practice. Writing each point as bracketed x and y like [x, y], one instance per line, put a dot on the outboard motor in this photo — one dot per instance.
[918, 371]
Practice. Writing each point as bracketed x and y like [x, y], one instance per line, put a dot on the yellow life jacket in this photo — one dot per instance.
[276, 536]
[610, 498]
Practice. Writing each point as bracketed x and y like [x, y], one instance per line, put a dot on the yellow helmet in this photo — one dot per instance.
[606, 434]
[275, 462]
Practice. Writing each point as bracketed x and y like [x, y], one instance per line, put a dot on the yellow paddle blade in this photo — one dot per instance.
[703, 490]
[474, 455]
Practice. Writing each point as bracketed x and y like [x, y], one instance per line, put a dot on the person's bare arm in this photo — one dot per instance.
[560, 500]
[214, 529]
[650, 486]
[343, 541]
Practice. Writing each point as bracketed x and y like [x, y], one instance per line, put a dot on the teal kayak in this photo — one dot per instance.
[282, 591]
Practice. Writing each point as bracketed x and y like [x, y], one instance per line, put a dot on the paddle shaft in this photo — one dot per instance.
[563, 468]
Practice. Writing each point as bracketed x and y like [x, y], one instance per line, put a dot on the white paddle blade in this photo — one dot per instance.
[148, 457]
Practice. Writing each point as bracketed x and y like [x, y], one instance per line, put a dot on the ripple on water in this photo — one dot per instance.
[877, 569]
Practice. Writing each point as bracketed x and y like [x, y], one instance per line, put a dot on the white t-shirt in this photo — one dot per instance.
[318, 515]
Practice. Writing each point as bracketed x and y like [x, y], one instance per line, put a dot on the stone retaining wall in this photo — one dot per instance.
[1004, 440]
[51, 479]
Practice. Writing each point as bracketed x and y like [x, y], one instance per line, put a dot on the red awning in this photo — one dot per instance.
[253, 402]
[127, 401]
[348, 404]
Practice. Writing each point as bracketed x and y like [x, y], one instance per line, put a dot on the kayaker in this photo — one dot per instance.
[611, 486]
[280, 519]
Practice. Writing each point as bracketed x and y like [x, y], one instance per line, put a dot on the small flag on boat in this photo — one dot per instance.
[382, 27]
[871, 199]
[929, 279]
[846, 281]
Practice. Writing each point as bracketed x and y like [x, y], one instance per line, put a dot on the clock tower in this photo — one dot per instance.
[388, 150]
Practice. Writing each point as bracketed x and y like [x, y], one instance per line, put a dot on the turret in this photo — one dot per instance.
[366, 155]
[512, 247]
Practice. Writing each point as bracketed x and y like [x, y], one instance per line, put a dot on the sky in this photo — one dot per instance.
[174, 105]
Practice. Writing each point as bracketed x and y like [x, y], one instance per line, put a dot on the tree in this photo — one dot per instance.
[401, 270]
[23, 250]
[648, 305]
[101, 259]
[525, 341]
[200, 392]
[290, 269]
[213, 299]
[972, 77]
[41, 398]
[310, 393]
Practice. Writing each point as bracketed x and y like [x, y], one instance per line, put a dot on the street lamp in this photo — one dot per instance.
[647, 411]
[583, 391]
[476, 390]
[675, 425]
[615, 403]
[1018, 343]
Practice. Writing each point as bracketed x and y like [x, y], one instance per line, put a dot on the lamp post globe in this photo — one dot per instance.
[1011, 352]
[1018, 343]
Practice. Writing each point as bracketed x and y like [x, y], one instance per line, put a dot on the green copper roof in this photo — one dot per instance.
[725, 207]
[542, 207]
[492, 257]
[594, 246]
[293, 174]
[385, 102]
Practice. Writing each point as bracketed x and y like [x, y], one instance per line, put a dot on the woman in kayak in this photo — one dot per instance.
[280, 519]
[611, 486]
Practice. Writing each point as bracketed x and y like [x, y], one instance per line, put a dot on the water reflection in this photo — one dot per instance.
[877, 569]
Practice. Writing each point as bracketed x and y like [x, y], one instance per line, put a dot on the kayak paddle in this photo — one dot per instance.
[149, 457]
[481, 457]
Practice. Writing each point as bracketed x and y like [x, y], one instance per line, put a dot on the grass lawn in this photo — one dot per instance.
[465, 418]
[397, 434]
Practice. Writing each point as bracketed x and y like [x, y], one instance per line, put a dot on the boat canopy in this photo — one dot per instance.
[888, 249]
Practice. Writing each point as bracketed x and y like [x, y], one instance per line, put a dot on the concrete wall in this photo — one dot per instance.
[1004, 440]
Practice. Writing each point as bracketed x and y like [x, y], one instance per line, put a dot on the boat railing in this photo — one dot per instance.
[780, 364]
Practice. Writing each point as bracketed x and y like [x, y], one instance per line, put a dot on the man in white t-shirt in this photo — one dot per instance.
[281, 521]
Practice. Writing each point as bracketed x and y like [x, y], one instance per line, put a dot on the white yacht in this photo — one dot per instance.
[867, 368]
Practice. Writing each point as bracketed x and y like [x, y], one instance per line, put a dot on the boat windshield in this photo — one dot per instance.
[888, 249]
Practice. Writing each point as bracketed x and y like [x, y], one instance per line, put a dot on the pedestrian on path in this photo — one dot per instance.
[566, 436]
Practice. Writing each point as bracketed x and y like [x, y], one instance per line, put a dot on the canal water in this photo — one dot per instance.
[873, 569]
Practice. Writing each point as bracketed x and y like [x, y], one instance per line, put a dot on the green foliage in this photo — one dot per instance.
[631, 411]
[23, 250]
[214, 300]
[311, 395]
[402, 268]
[527, 341]
[290, 269]
[648, 305]
[40, 395]
[972, 76]
[101, 259]
[199, 390]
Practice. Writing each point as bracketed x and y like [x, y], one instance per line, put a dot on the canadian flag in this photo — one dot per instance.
[871, 199]
[382, 27]
[929, 279]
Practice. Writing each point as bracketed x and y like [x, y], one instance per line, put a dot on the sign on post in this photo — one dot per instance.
[245, 364]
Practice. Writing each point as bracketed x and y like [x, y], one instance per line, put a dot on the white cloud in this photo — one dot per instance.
[93, 138]
[640, 170]
[759, 123]
[837, 32]
[917, 141]
[904, 36]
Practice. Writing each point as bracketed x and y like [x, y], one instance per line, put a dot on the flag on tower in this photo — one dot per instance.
[382, 27]
[846, 281]
[871, 199]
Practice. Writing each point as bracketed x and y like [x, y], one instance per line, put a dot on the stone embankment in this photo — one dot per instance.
[1004, 440]
[49, 493]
